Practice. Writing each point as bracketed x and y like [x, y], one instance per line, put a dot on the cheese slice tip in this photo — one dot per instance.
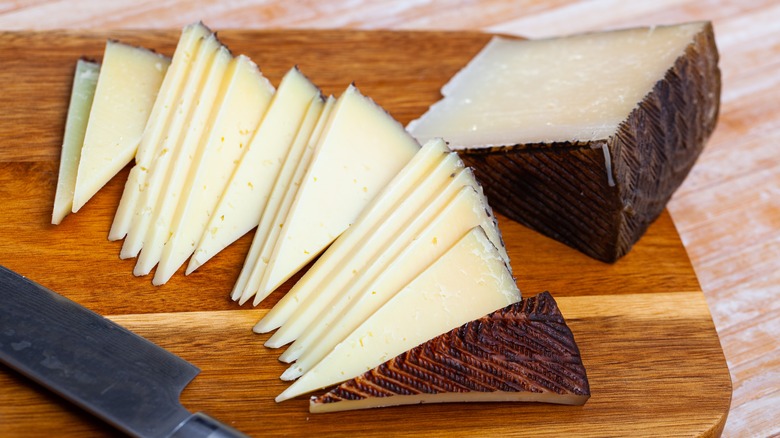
[84, 84]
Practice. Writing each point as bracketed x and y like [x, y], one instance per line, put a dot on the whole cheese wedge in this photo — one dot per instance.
[246, 195]
[524, 352]
[583, 138]
[83, 92]
[469, 280]
[127, 87]
[246, 97]
[362, 150]
[166, 105]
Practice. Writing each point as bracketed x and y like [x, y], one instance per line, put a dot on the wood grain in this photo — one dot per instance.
[643, 326]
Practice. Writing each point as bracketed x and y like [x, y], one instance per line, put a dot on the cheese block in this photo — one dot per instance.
[83, 92]
[468, 281]
[241, 204]
[165, 106]
[127, 86]
[402, 262]
[307, 137]
[583, 138]
[524, 352]
[203, 113]
[245, 99]
[371, 244]
[362, 151]
[369, 219]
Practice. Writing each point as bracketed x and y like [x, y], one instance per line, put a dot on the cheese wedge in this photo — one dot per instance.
[371, 217]
[583, 138]
[424, 241]
[84, 83]
[524, 352]
[245, 99]
[241, 205]
[157, 169]
[362, 151]
[165, 106]
[469, 280]
[129, 80]
[204, 113]
[312, 119]
[370, 246]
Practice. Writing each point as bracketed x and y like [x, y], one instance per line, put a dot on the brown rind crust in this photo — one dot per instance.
[526, 346]
[562, 189]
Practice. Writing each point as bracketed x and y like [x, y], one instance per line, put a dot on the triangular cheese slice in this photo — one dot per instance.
[469, 280]
[84, 83]
[363, 149]
[524, 352]
[246, 97]
[241, 204]
[127, 87]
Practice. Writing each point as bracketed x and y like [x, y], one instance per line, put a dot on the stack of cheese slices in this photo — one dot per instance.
[413, 249]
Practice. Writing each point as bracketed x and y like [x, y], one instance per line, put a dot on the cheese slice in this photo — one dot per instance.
[204, 112]
[371, 245]
[312, 119]
[426, 239]
[470, 280]
[84, 83]
[163, 110]
[157, 169]
[241, 205]
[250, 280]
[524, 352]
[369, 219]
[129, 80]
[245, 99]
[362, 151]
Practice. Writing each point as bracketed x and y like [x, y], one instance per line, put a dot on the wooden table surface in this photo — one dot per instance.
[728, 210]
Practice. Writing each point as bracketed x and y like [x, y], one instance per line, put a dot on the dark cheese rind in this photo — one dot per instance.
[563, 190]
[525, 349]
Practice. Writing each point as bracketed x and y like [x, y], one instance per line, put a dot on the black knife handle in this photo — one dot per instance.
[200, 425]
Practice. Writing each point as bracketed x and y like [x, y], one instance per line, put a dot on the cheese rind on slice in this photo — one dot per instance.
[157, 124]
[583, 138]
[157, 168]
[163, 210]
[241, 204]
[246, 97]
[524, 352]
[428, 157]
[469, 280]
[311, 121]
[84, 83]
[362, 151]
[127, 86]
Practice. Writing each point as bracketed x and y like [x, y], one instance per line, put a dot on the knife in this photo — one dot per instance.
[100, 366]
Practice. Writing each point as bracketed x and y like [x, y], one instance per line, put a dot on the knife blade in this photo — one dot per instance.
[109, 371]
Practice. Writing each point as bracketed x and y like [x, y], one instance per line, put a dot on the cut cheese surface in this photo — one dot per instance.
[84, 83]
[363, 149]
[157, 232]
[371, 245]
[241, 204]
[311, 120]
[375, 212]
[127, 87]
[454, 212]
[577, 88]
[467, 282]
[166, 102]
[157, 169]
[246, 97]
[524, 352]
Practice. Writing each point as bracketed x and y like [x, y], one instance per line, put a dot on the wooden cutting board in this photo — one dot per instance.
[655, 364]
